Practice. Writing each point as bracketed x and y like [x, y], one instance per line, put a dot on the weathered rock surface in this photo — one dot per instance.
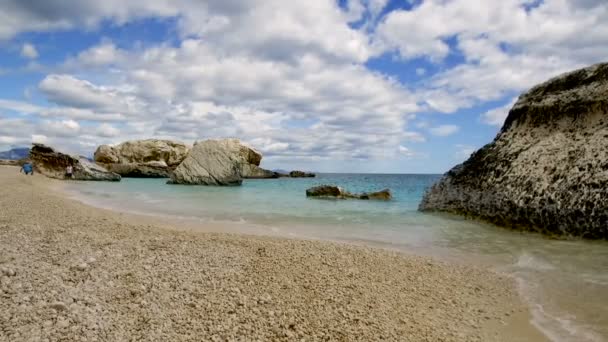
[52, 164]
[142, 158]
[212, 162]
[332, 191]
[547, 169]
[254, 171]
[300, 174]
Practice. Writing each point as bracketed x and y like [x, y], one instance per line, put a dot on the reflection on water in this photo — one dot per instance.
[565, 282]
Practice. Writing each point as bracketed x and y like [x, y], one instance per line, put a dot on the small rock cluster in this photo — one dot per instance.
[332, 191]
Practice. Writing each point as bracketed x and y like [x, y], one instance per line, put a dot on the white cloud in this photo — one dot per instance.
[69, 91]
[508, 46]
[404, 151]
[497, 116]
[463, 151]
[29, 51]
[444, 130]
[107, 131]
[290, 77]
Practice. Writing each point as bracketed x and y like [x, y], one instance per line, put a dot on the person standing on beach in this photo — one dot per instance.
[69, 171]
[27, 168]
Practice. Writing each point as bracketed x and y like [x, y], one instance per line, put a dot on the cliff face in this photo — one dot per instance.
[547, 169]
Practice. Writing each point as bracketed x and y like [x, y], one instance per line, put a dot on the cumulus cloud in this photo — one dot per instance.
[444, 130]
[291, 78]
[497, 116]
[463, 151]
[508, 46]
[29, 51]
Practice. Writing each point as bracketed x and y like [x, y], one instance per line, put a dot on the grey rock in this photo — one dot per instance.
[301, 174]
[547, 169]
[52, 164]
[211, 162]
[59, 306]
[253, 171]
[150, 158]
[332, 191]
[220, 162]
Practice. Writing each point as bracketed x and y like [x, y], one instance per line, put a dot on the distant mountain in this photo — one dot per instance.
[15, 153]
[280, 171]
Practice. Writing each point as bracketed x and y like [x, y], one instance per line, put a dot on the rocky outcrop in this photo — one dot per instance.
[547, 169]
[332, 191]
[52, 164]
[301, 174]
[253, 171]
[151, 158]
[213, 162]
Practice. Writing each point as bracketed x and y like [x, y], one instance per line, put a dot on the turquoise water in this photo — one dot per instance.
[565, 282]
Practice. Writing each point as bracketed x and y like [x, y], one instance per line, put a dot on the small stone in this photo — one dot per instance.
[63, 323]
[82, 267]
[91, 260]
[9, 272]
[59, 306]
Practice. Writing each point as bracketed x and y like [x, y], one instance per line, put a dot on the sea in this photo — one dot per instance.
[565, 282]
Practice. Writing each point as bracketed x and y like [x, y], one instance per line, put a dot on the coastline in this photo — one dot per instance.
[85, 272]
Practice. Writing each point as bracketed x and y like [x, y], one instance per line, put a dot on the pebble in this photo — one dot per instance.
[9, 272]
[193, 280]
[59, 306]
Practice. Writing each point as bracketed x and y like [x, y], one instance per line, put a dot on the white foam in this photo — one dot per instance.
[555, 328]
[532, 262]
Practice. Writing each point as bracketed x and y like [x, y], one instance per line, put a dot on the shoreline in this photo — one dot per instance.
[120, 276]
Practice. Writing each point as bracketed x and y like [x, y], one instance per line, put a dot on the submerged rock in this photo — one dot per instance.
[52, 164]
[547, 169]
[152, 158]
[332, 191]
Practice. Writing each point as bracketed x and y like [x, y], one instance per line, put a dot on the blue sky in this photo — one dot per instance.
[342, 86]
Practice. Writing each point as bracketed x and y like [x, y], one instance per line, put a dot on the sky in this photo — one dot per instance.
[392, 86]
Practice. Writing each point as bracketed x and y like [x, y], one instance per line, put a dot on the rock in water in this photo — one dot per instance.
[300, 174]
[52, 164]
[325, 191]
[212, 162]
[332, 191]
[384, 195]
[150, 158]
[547, 169]
[220, 162]
[253, 171]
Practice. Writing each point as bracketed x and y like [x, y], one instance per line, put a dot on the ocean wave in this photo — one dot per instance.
[557, 328]
[529, 261]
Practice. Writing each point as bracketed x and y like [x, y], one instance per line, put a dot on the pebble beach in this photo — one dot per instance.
[71, 272]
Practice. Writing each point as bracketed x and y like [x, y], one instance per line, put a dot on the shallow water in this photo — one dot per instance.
[565, 282]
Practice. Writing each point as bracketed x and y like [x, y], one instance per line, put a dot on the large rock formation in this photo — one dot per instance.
[547, 169]
[142, 158]
[52, 164]
[332, 191]
[219, 162]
